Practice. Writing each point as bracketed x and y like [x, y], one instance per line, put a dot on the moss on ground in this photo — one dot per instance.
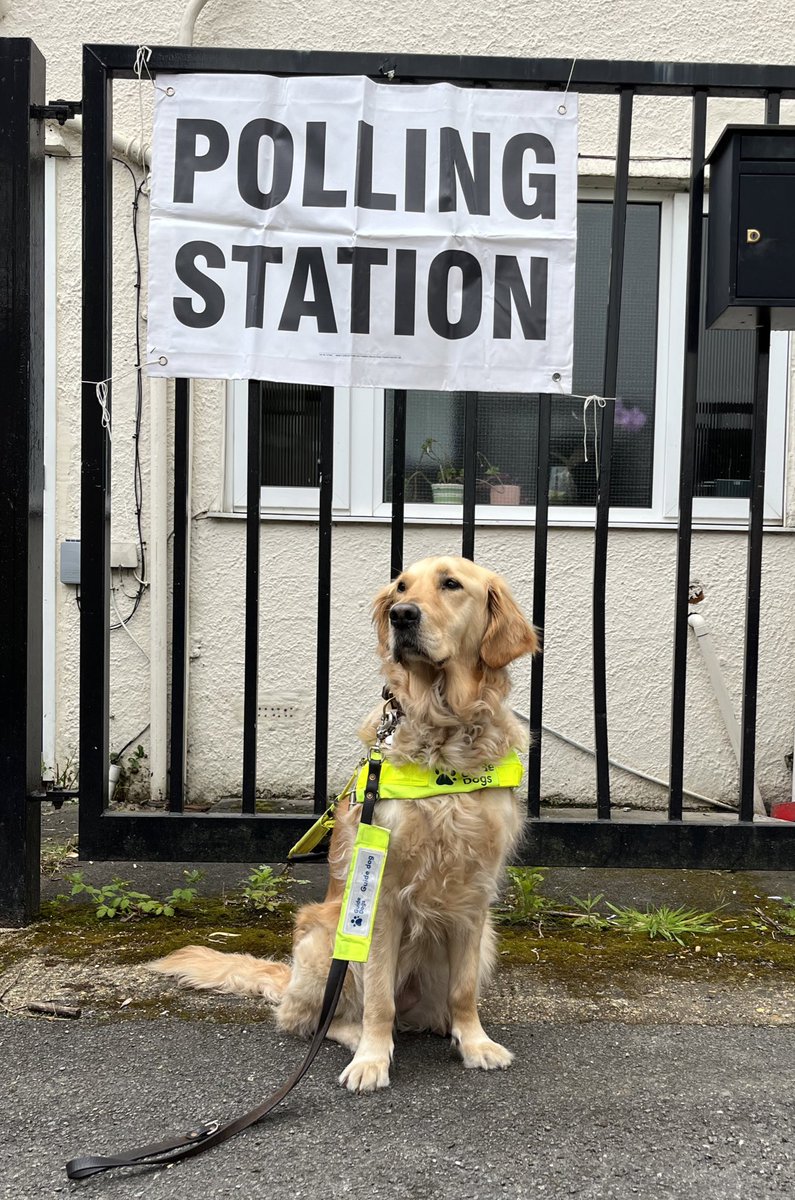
[556, 948]
[71, 932]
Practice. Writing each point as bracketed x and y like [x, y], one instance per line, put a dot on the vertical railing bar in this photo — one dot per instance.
[754, 571]
[687, 463]
[539, 603]
[470, 474]
[22, 546]
[179, 596]
[605, 423]
[95, 446]
[323, 652]
[756, 517]
[251, 670]
[398, 480]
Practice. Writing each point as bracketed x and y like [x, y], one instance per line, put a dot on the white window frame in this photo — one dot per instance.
[359, 427]
[280, 501]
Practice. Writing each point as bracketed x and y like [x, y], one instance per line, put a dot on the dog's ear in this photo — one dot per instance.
[508, 634]
[381, 606]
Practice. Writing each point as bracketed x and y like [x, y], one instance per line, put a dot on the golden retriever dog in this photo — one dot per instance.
[446, 629]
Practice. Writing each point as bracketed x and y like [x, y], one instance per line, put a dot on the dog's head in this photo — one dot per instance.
[449, 611]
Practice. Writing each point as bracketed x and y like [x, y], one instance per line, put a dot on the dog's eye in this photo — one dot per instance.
[401, 587]
[452, 585]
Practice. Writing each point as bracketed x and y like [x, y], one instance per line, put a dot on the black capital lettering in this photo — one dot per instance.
[361, 259]
[207, 289]
[248, 157]
[309, 264]
[187, 162]
[509, 287]
[454, 168]
[257, 258]
[471, 294]
[513, 184]
[405, 291]
[315, 195]
[416, 159]
[365, 196]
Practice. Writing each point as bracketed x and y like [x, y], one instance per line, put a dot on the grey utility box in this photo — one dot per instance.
[751, 240]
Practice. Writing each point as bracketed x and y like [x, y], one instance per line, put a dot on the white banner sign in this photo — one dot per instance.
[343, 232]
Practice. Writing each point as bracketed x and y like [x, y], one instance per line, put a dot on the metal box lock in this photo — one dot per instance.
[751, 238]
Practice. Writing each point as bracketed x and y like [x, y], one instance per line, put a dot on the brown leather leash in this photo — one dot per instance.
[203, 1136]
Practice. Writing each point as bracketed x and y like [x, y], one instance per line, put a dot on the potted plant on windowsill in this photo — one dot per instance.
[448, 486]
[502, 487]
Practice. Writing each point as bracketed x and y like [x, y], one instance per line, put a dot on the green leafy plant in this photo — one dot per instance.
[587, 913]
[118, 899]
[66, 775]
[266, 891]
[440, 463]
[672, 924]
[134, 773]
[523, 903]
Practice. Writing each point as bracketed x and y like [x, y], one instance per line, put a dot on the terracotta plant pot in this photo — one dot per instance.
[505, 493]
[448, 493]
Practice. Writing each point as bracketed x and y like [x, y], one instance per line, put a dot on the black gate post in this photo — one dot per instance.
[21, 473]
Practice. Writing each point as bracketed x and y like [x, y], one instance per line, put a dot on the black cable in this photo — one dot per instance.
[137, 473]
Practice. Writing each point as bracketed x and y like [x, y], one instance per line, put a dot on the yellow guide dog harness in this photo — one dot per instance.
[406, 782]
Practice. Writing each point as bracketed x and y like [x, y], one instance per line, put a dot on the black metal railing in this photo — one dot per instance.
[177, 834]
[657, 843]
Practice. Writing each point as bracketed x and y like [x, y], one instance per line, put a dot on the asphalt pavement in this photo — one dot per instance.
[594, 1110]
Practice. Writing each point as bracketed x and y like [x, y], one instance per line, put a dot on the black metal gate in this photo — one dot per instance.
[673, 840]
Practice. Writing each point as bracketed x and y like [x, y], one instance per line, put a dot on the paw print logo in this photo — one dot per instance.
[357, 922]
[444, 778]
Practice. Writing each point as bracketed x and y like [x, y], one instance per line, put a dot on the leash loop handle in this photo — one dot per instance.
[203, 1137]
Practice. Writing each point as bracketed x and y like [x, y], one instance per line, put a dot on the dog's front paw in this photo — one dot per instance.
[366, 1074]
[485, 1054]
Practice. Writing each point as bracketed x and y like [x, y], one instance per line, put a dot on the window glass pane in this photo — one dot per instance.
[507, 423]
[290, 435]
[724, 406]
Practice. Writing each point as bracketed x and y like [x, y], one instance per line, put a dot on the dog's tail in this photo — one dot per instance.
[235, 974]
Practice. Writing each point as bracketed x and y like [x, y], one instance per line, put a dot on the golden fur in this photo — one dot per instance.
[446, 631]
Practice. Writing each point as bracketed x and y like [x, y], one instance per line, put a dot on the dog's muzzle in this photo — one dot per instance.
[405, 622]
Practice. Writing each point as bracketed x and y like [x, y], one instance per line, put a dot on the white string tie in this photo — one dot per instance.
[102, 397]
[597, 402]
[142, 56]
[101, 388]
[562, 106]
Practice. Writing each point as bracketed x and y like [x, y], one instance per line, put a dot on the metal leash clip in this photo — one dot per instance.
[390, 717]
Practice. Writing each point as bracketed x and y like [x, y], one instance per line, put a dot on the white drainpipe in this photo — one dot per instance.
[704, 641]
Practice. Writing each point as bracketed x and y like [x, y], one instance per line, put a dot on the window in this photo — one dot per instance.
[645, 470]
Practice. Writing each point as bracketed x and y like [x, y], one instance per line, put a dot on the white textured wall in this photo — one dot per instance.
[641, 571]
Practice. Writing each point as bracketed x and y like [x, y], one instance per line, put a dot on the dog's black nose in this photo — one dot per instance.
[403, 616]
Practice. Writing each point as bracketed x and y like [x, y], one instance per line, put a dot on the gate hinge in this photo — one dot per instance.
[54, 796]
[56, 110]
